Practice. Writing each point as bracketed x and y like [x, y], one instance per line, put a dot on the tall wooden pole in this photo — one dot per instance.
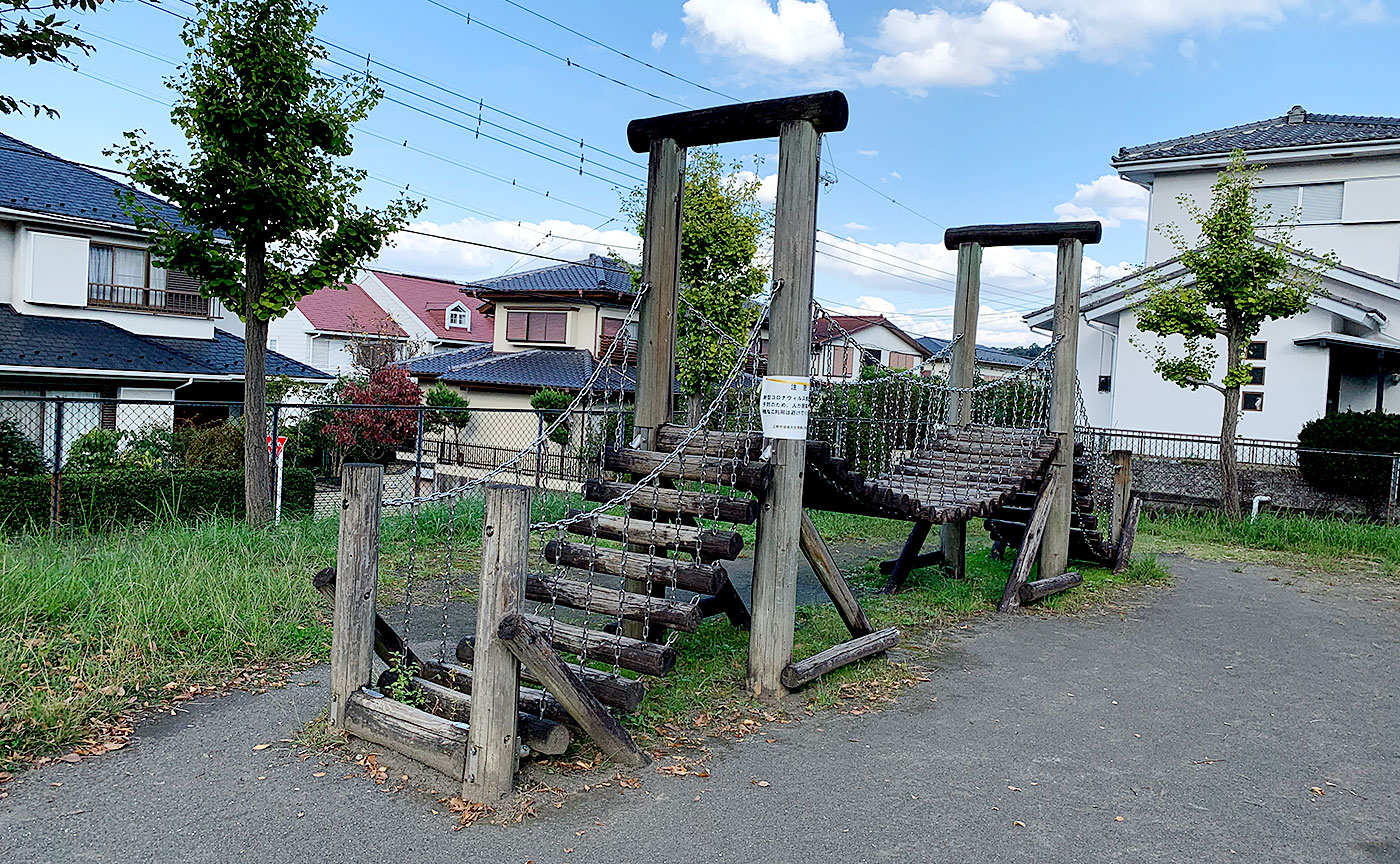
[790, 349]
[661, 263]
[357, 575]
[493, 748]
[1054, 548]
[962, 372]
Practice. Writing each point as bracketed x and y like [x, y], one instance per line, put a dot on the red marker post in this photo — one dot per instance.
[276, 456]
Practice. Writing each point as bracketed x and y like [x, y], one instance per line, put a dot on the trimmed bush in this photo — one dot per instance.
[1365, 431]
[95, 450]
[549, 404]
[123, 496]
[18, 452]
[218, 447]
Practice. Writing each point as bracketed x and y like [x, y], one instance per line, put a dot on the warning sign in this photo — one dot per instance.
[783, 406]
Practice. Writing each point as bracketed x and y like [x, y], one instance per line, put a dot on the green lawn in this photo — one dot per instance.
[1326, 544]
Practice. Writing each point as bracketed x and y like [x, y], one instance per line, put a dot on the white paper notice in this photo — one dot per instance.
[783, 406]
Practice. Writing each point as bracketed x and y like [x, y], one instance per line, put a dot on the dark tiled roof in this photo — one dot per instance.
[441, 362]
[560, 369]
[224, 355]
[594, 273]
[1297, 128]
[984, 354]
[82, 345]
[32, 179]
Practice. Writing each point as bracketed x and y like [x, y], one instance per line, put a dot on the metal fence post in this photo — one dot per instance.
[275, 464]
[56, 485]
[1394, 488]
[540, 449]
[418, 454]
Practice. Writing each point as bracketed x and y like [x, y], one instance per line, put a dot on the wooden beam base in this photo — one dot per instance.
[1042, 588]
[823, 563]
[436, 742]
[533, 650]
[1124, 553]
[926, 559]
[833, 658]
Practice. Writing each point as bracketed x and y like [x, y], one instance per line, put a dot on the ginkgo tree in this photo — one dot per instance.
[1233, 278]
[268, 209]
[39, 31]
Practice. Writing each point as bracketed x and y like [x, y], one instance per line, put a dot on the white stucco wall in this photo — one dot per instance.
[1367, 237]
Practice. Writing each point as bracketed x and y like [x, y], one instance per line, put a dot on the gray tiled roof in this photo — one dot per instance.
[594, 273]
[984, 354]
[38, 181]
[441, 362]
[83, 345]
[557, 368]
[1297, 128]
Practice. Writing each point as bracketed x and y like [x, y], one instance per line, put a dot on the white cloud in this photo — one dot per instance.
[1109, 199]
[1373, 12]
[426, 256]
[868, 153]
[798, 32]
[855, 226]
[941, 48]
[767, 185]
[658, 39]
[1187, 49]
[895, 175]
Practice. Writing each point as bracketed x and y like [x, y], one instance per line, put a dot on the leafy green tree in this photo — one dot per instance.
[549, 404]
[19, 455]
[723, 228]
[1234, 280]
[272, 205]
[32, 31]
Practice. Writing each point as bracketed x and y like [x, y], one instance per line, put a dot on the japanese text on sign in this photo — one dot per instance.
[783, 406]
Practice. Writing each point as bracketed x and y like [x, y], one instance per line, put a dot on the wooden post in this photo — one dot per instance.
[1122, 490]
[790, 350]
[357, 568]
[962, 372]
[1054, 549]
[824, 565]
[661, 261]
[1031, 542]
[493, 749]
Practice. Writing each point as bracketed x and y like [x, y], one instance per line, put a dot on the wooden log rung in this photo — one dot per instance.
[439, 743]
[749, 476]
[694, 576]
[648, 658]
[573, 594]
[721, 508]
[621, 694]
[1041, 588]
[809, 669]
[664, 536]
[543, 735]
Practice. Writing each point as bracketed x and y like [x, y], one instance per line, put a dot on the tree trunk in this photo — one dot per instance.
[257, 470]
[1229, 426]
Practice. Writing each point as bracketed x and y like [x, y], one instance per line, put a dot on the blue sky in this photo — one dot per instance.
[961, 112]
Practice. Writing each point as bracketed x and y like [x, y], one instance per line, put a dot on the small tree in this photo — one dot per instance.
[549, 404]
[270, 205]
[723, 227]
[373, 433]
[32, 31]
[455, 418]
[18, 452]
[1234, 281]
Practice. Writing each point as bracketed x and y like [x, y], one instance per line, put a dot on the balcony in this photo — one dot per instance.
[180, 296]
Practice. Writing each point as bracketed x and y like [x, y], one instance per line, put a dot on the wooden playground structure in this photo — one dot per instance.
[648, 557]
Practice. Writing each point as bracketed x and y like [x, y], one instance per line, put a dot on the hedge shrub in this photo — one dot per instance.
[122, 496]
[1365, 431]
[18, 452]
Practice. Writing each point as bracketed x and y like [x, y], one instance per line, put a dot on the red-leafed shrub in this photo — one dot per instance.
[373, 433]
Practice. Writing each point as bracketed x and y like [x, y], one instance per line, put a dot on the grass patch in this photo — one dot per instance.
[1317, 543]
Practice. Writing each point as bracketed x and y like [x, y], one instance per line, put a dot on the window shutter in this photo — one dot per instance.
[611, 327]
[1322, 202]
[1281, 201]
[555, 325]
[516, 325]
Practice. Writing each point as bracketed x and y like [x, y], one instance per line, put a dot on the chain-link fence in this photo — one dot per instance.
[1183, 472]
[94, 462]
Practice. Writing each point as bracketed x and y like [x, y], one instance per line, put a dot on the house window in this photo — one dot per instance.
[272, 343]
[1256, 376]
[122, 277]
[1313, 202]
[1253, 402]
[1257, 351]
[320, 353]
[536, 326]
[1105, 383]
[842, 361]
[458, 316]
[900, 360]
[612, 329]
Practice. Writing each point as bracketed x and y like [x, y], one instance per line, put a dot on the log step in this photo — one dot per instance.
[648, 658]
[700, 542]
[728, 445]
[749, 476]
[622, 694]
[721, 508]
[573, 594]
[833, 658]
[694, 576]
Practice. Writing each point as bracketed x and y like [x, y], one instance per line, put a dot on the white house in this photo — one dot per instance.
[1342, 176]
[844, 344]
[85, 314]
[423, 314]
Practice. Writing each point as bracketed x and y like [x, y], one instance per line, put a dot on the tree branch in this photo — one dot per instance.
[1198, 382]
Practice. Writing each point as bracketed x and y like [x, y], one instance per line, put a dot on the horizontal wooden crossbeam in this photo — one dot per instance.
[1023, 234]
[828, 112]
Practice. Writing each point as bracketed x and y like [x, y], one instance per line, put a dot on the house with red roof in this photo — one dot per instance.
[409, 315]
[846, 343]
